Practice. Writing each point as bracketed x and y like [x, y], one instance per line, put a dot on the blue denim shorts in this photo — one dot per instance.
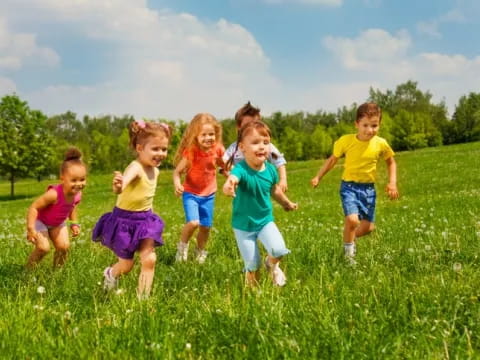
[199, 208]
[358, 198]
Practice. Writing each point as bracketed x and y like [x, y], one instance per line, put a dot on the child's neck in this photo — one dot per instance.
[257, 167]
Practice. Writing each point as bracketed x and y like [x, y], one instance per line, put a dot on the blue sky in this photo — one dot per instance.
[174, 58]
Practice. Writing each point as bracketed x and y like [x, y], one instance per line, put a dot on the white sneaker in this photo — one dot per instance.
[201, 255]
[278, 276]
[109, 281]
[349, 252]
[182, 252]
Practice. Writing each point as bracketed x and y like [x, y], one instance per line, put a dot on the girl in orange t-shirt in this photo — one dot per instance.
[199, 153]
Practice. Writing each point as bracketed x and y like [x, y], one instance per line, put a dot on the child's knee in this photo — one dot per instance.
[43, 247]
[149, 260]
[352, 221]
[194, 224]
[63, 246]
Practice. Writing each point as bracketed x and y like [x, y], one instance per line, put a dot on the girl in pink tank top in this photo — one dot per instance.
[47, 215]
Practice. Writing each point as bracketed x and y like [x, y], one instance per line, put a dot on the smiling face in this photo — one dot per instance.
[255, 147]
[367, 127]
[74, 179]
[206, 137]
[154, 151]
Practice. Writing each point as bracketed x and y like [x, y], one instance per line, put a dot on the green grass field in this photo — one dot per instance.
[414, 294]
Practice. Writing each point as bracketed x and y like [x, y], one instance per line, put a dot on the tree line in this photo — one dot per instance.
[32, 144]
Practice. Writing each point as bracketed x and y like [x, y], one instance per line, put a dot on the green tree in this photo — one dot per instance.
[26, 148]
[466, 119]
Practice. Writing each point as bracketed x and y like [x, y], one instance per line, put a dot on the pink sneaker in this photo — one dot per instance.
[278, 276]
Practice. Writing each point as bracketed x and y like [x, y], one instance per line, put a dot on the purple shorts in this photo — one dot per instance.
[122, 231]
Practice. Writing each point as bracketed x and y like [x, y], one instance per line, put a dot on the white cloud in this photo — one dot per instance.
[7, 86]
[387, 60]
[165, 64]
[431, 27]
[18, 48]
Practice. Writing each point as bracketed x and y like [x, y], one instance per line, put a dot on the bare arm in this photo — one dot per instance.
[282, 175]
[50, 197]
[177, 173]
[280, 197]
[327, 166]
[391, 187]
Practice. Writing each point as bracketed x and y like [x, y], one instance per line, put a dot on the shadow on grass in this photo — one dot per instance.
[10, 274]
[15, 197]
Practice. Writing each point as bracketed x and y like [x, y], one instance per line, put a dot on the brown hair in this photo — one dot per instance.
[369, 110]
[189, 138]
[139, 131]
[248, 128]
[72, 156]
[246, 110]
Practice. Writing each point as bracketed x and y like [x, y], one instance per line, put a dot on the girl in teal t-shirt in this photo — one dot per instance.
[251, 183]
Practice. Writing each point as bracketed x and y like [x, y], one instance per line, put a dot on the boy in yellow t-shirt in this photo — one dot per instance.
[357, 191]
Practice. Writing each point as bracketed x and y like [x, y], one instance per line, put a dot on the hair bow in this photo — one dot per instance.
[141, 124]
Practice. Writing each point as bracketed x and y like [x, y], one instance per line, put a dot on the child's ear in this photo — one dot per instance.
[139, 147]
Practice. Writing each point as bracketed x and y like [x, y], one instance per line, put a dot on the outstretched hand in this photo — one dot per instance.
[229, 187]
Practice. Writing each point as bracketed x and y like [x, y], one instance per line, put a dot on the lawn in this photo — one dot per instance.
[414, 294]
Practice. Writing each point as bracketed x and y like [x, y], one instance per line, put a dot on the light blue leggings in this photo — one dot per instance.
[271, 239]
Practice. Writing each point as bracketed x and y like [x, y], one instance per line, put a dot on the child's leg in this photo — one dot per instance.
[350, 227]
[273, 241]
[59, 236]
[122, 266]
[42, 247]
[365, 228]
[247, 244]
[148, 259]
[252, 278]
[188, 230]
[202, 236]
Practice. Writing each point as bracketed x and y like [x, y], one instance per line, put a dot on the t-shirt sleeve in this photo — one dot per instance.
[276, 157]
[187, 154]
[238, 171]
[229, 152]
[339, 148]
[387, 151]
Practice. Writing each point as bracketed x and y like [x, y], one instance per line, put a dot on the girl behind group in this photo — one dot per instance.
[47, 215]
[251, 183]
[132, 226]
[198, 154]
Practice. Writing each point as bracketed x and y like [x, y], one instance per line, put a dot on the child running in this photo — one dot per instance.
[243, 116]
[199, 153]
[132, 226]
[357, 191]
[251, 183]
[47, 215]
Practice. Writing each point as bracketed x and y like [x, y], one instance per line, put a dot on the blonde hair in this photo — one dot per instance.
[189, 138]
[139, 131]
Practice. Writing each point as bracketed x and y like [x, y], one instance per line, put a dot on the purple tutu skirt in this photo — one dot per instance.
[123, 230]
